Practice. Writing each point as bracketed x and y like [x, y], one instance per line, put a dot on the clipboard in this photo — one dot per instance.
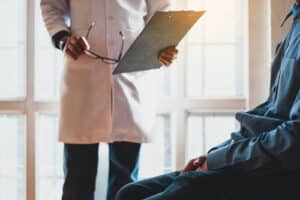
[165, 28]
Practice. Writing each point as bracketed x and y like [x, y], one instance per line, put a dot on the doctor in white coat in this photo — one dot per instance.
[96, 106]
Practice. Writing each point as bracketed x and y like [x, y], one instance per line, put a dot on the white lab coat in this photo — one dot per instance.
[97, 106]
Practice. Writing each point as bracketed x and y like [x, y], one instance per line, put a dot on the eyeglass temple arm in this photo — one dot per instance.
[89, 30]
[122, 46]
[101, 57]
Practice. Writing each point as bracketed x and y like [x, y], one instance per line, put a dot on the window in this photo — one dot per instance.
[207, 130]
[216, 50]
[12, 158]
[12, 49]
[161, 148]
[49, 173]
[12, 76]
[48, 62]
[205, 87]
[211, 77]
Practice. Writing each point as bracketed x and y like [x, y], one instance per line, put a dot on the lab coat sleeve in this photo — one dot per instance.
[155, 5]
[278, 147]
[55, 14]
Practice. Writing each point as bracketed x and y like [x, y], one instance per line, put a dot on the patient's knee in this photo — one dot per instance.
[127, 192]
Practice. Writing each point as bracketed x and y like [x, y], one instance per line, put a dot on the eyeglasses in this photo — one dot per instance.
[106, 60]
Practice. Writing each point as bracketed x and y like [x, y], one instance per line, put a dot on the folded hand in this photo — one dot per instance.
[197, 164]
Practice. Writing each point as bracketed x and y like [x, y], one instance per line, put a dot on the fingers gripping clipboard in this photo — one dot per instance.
[166, 28]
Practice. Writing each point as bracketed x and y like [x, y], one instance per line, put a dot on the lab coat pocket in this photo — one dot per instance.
[79, 79]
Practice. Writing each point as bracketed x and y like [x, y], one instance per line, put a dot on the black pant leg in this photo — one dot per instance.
[147, 187]
[231, 184]
[276, 185]
[212, 185]
[80, 167]
[123, 166]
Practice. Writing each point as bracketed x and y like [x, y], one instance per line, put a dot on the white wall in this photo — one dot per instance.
[265, 18]
[279, 9]
[259, 50]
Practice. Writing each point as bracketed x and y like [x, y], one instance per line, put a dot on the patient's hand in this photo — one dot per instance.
[203, 167]
[167, 56]
[197, 164]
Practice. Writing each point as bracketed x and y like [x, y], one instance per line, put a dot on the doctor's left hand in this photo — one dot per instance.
[167, 56]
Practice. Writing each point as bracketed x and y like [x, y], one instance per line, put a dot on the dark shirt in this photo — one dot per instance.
[270, 133]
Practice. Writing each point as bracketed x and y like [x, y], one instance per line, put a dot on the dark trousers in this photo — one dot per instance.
[225, 184]
[80, 167]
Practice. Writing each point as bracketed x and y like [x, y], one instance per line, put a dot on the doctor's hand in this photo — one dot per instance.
[167, 56]
[75, 46]
[197, 164]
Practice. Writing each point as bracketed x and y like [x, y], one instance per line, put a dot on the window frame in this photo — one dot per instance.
[199, 106]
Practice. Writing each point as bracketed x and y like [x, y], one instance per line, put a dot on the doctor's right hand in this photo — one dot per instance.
[75, 46]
